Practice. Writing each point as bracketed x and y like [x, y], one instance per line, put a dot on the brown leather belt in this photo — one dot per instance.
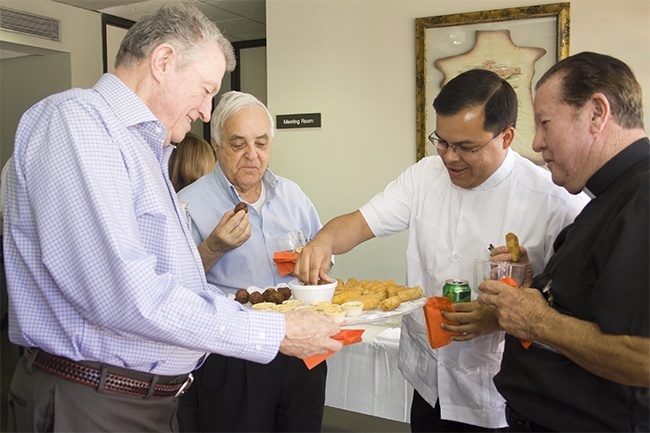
[80, 373]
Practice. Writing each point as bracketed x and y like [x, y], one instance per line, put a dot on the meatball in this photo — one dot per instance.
[241, 296]
[285, 292]
[269, 293]
[255, 298]
[272, 295]
[240, 206]
[277, 297]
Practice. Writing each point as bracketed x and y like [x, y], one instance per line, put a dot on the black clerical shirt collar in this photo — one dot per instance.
[616, 166]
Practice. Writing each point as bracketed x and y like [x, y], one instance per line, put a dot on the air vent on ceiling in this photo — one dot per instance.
[29, 24]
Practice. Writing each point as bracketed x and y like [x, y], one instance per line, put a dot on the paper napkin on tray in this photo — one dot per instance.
[348, 336]
[285, 261]
[390, 334]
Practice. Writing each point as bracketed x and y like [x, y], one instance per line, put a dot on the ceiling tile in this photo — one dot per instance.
[240, 20]
[239, 26]
[216, 14]
[241, 7]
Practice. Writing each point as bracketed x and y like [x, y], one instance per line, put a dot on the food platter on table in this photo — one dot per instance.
[366, 316]
[376, 315]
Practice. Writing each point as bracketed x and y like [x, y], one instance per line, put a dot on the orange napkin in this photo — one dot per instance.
[348, 336]
[285, 260]
[509, 281]
[438, 337]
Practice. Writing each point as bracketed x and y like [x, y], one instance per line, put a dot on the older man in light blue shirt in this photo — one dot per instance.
[286, 208]
[237, 250]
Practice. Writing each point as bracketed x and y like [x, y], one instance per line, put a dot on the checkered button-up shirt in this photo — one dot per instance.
[100, 264]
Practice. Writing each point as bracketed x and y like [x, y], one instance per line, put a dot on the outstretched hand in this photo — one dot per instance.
[313, 263]
[308, 333]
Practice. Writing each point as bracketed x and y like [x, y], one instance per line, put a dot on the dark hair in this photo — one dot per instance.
[480, 87]
[587, 73]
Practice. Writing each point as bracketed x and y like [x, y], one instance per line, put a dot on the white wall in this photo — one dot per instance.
[80, 46]
[252, 71]
[354, 62]
[22, 85]
[80, 35]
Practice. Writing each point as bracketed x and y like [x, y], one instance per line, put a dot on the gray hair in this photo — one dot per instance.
[182, 26]
[230, 104]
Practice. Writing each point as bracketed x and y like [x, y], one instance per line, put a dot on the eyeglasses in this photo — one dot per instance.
[442, 146]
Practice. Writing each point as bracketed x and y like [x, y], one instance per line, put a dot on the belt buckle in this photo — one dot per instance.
[188, 382]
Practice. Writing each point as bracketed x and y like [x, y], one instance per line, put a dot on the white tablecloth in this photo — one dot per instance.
[363, 377]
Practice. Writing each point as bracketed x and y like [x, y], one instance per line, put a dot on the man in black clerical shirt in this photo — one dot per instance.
[588, 313]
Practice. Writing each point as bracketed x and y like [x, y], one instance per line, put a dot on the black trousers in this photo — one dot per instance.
[425, 418]
[518, 423]
[233, 395]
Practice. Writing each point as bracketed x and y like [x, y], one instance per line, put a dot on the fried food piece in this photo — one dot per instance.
[268, 293]
[411, 294]
[285, 292]
[255, 298]
[351, 282]
[368, 284]
[379, 287]
[278, 298]
[370, 302]
[241, 206]
[391, 303]
[272, 295]
[395, 289]
[381, 293]
[241, 296]
[375, 293]
[353, 289]
[512, 242]
[345, 296]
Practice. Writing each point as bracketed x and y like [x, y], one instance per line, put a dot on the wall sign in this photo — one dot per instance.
[285, 121]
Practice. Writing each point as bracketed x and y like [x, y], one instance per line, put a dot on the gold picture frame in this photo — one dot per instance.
[523, 42]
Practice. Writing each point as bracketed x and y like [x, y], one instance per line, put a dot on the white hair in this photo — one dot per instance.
[230, 104]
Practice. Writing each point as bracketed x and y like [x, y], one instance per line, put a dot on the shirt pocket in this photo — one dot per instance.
[430, 244]
[475, 372]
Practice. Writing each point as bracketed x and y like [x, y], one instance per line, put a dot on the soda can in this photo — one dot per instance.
[457, 290]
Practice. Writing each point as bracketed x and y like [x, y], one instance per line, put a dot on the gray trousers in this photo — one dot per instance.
[42, 402]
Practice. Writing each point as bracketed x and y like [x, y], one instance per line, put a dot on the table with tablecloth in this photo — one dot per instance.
[364, 378]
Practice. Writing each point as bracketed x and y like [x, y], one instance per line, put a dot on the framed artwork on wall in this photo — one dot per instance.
[519, 44]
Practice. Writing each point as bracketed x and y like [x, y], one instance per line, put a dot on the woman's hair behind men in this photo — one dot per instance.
[193, 157]
[181, 25]
[586, 73]
[475, 88]
[230, 104]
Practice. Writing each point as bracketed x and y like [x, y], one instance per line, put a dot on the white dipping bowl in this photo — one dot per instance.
[352, 308]
[309, 294]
